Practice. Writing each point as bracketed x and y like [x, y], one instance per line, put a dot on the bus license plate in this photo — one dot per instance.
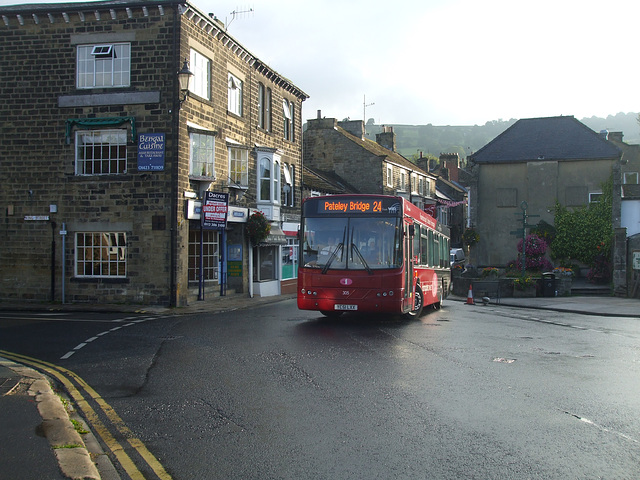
[346, 307]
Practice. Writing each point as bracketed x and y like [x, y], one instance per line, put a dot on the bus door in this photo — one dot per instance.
[408, 262]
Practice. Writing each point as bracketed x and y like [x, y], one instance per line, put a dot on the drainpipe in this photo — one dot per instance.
[173, 294]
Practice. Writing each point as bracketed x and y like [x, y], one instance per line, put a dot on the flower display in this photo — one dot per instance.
[258, 227]
[523, 282]
[490, 272]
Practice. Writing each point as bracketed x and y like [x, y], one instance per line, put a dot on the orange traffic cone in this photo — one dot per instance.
[470, 295]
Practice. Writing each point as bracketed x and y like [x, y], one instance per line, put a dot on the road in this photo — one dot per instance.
[277, 393]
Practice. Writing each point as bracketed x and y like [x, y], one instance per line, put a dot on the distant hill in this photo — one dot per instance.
[464, 140]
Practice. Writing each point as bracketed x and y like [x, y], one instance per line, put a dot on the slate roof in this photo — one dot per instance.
[326, 182]
[550, 138]
[384, 153]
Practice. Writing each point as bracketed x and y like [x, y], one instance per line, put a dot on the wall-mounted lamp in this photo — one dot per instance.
[184, 77]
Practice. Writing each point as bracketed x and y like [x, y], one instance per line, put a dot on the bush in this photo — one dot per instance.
[586, 232]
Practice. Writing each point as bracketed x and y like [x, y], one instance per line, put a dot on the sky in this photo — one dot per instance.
[444, 62]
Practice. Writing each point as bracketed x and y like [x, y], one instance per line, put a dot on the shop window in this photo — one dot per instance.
[265, 263]
[210, 255]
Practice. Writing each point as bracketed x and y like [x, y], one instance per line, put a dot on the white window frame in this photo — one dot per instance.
[100, 254]
[239, 166]
[234, 96]
[414, 183]
[288, 115]
[101, 152]
[288, 185]
[268, 179]
[403, 181]
[201, 81]
[103, 65]
[421, 186]
[202, 155]
[262, 100]
[389, 175]
[594, 197]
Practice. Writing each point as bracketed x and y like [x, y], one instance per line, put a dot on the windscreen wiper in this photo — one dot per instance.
[333, 256]
[364, 262]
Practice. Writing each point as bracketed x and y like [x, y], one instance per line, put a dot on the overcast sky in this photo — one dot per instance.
[445, 62]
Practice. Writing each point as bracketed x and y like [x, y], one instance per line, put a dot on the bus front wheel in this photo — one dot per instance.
[418, 303]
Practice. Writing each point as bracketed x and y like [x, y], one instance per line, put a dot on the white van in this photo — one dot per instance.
[457, 257]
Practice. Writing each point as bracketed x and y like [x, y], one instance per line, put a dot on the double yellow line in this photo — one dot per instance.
[70, 380]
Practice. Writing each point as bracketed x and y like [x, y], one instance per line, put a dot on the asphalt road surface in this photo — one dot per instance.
[463, 392]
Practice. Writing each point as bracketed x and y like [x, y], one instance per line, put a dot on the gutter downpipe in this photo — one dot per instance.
[173, 294]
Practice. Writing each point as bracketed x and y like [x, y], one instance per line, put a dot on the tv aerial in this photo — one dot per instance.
[237, 13]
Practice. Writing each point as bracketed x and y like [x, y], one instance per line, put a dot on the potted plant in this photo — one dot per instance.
[524, 286]
[490, 272]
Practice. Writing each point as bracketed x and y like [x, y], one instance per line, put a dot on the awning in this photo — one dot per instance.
[276, 237]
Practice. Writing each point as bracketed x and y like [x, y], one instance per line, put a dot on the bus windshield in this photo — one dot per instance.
[340, 243]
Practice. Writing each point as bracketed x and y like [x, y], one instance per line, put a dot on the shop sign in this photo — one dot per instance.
[151, 152]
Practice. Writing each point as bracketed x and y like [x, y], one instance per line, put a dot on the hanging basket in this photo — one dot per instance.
[258, 227]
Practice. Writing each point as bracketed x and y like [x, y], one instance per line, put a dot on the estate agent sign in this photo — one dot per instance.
[214, 210]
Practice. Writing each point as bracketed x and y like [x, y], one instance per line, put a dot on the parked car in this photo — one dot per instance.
[457, 256]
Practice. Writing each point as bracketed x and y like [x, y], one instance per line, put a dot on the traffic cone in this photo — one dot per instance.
[470, 295]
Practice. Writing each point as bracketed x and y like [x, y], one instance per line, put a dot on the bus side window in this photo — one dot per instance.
[416, 244]
[424, 248]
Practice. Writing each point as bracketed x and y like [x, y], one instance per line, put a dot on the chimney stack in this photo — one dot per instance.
[387, 138]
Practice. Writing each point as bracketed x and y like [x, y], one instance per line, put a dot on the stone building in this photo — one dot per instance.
[451, 192]
[106, 160]
[531, 165]
[341, 150]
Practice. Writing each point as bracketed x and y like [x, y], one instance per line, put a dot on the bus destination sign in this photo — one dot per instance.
[389, 206]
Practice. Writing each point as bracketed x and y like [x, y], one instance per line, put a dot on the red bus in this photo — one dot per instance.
[371, 253]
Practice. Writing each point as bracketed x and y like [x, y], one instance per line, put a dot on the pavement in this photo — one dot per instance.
[35, 422]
